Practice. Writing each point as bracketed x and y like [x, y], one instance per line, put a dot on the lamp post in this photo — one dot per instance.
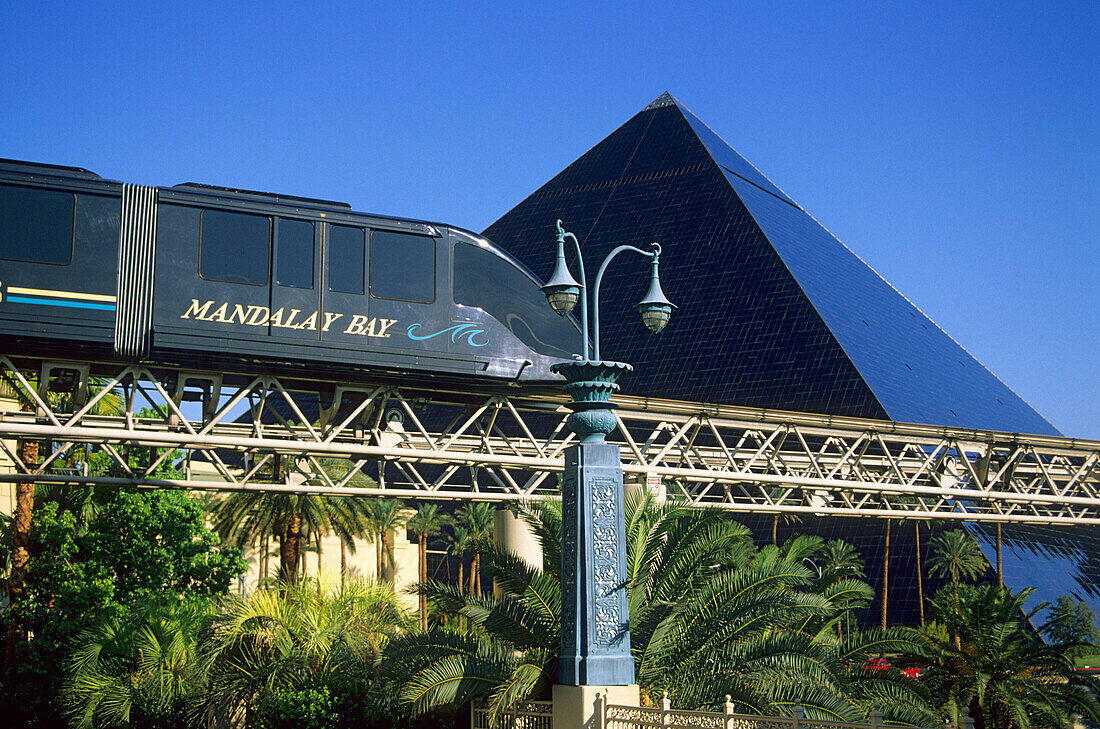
[595, 635]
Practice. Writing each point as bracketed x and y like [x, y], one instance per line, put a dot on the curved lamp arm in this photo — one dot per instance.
[596, 291]
[584, 289]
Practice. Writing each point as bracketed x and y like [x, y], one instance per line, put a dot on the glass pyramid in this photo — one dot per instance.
[775, 312]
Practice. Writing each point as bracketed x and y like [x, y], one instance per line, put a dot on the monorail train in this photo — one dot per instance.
[208, 277]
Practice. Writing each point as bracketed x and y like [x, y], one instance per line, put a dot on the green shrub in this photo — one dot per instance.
[304, 709]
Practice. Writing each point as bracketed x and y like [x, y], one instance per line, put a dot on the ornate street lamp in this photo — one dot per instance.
[595, 632]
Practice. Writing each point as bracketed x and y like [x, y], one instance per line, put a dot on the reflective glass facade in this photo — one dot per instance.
[775, 312]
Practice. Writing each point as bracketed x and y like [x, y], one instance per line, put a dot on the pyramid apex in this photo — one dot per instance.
[665, 99]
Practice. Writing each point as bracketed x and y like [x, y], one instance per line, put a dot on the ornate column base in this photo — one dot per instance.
[595, 638]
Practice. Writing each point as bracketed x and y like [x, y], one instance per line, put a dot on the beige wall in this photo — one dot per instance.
[401, 562]
[7, 490]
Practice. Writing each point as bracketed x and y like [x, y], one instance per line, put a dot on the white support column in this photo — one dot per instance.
[512, 534]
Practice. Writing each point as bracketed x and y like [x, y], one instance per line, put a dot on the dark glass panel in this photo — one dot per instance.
[346, 258]
[295, 256]
[36, 225]
[494, 284]
[234, 247]
[402, 266]
[776, 313]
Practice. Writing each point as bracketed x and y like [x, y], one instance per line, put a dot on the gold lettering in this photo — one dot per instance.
[238, 311]
[257, 315]
[329, 319]
[198, 311]
[355, 326]
[289, 324]
[386, 324]
[219, 314]
[309, 323]
[276, 319]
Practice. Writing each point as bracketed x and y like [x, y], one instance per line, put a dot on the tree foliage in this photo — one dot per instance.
[138, 669]
[1071, 621]
[249, 516]
[300, 637]
[709, 615]
[983, 656]
[94, 564]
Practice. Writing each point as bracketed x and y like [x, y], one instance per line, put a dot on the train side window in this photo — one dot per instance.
[234, 247]
[402, 266]
[36, 225]
[294, 254]
[347, 248]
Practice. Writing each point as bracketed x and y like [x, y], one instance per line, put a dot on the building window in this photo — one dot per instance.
[234, 247]
[294, 256]
[402, 266]
[346, 258]
[36, 225]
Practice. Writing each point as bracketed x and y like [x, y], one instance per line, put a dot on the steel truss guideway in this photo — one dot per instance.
[233, 433]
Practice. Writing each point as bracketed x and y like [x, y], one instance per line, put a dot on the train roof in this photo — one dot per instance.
[48, 169]
[275, 198]
[264, 196]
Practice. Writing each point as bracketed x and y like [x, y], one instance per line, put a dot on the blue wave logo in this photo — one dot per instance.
[458, 332]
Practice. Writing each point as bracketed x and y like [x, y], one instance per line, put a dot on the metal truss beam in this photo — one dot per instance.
[217, 431]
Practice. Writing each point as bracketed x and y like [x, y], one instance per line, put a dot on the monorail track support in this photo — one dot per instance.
[226, 432]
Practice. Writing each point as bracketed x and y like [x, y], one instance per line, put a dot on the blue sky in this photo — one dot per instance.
[954, 148]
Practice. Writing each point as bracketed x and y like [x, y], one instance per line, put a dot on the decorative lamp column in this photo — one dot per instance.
[595, 631]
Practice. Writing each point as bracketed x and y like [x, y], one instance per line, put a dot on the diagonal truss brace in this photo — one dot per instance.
[257, 431]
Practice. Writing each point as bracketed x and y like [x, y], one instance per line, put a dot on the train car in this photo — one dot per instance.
[213, 278]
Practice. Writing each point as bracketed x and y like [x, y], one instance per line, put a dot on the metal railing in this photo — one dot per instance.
[524, 715]
[612, 716]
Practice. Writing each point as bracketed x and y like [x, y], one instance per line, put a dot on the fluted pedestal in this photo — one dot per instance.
[595, 617]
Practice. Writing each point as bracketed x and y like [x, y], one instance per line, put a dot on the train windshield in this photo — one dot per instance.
[489, 281]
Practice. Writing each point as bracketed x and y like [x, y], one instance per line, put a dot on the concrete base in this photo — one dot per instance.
[575, 706]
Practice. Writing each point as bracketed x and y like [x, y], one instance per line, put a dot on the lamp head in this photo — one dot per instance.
[655, 307]
[562, 298]
[562, 290]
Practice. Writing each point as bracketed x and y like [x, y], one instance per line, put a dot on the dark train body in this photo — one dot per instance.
[205, 277]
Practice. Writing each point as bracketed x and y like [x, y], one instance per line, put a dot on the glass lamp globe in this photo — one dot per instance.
[655, 307]
[562, 298]
[655, 316]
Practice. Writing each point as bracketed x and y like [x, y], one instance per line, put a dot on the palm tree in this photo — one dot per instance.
[708, 616]
[427, 522]
[956, 554]
[477, 517]
[838, 560]
[384, 517]
[249, 516]
[459, 543]
[1000, 565]
[984, 656]
[765, 634]
[671, 550]
[127, 672]
[295, 638]
[885, 576]
[336, 469]
[512, 656]
[920, 572]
